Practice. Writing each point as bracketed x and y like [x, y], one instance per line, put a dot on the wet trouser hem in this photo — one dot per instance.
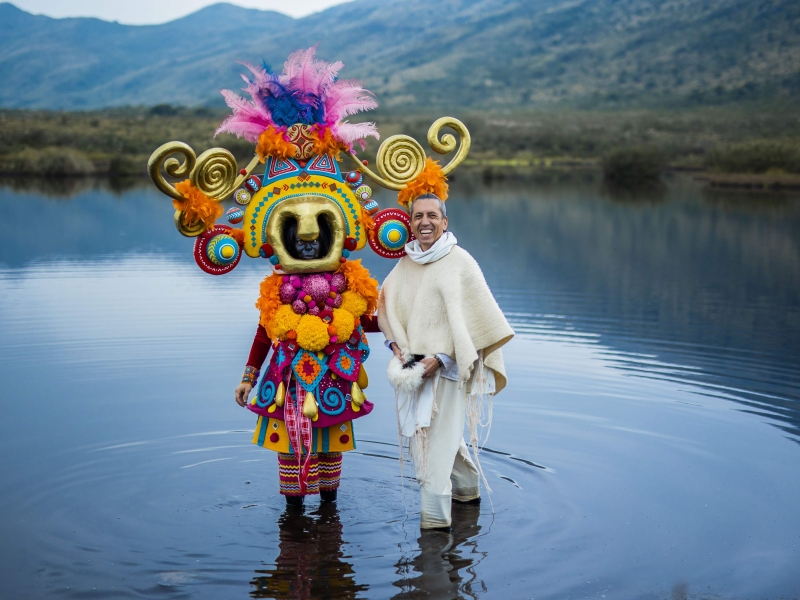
[433, 524]
[466, 494]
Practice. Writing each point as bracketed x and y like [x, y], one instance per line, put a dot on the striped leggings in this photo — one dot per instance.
[324, 474]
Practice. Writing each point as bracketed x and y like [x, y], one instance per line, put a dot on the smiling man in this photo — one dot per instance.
[442, 322]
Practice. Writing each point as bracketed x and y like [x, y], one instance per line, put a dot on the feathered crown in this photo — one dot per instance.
[308, 92]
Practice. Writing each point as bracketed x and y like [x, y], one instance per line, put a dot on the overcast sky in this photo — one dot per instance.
[140, 12]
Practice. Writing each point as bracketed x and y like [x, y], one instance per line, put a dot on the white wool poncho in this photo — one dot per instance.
[445, 307]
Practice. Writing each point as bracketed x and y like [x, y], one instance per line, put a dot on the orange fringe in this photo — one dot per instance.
[238, 235]
[431, 180]
[367, 222]
[272, 143]
[269, 301]
[361, 282]
[196, 206]
[325, 143]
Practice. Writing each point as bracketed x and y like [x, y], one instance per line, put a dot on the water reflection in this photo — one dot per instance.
[68, 187]
[445, 564]
[311, 562]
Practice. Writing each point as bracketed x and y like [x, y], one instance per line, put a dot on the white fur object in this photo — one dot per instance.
[414, 396]
[405, 381]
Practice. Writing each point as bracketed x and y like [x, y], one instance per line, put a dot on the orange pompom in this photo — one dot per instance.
[360, 281]
[271, 142]
[431, 180]
[312, 333]
[342, 321]
[291, 335]
[354, 303]
[196, 206]
[331, 330]
[284, 322]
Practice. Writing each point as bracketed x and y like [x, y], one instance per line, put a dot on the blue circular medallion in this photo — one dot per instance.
[222, 250]
[393, 235]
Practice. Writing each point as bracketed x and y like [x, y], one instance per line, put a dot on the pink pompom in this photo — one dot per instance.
[287, 293]
[312, 304]
[334, 339]
[286, 279]
[296, 281]
[337, 302]
[338, 283]
[314, 312]
[299, 307]
[317, 287]
[329, 301]
[300, 294]
[328, 276]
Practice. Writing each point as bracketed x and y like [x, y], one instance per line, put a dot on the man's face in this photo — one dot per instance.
[427, 222]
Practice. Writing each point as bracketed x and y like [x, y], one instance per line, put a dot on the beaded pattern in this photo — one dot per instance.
[250, 375]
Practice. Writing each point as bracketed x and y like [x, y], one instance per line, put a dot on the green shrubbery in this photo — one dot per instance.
[633, 145]
[755, 157]
[636, 164]
[49, 162]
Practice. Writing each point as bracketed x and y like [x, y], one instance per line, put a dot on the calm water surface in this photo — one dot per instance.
[647, 445]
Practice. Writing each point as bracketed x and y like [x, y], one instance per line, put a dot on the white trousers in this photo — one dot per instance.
[447, 471]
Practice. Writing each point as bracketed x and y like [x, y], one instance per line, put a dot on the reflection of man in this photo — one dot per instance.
[444, 561]
[436, 309]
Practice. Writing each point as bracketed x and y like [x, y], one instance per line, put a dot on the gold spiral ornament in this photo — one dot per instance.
[184, 229]
[400, 159]
[215, 173]
[172, 166]
[448, 142]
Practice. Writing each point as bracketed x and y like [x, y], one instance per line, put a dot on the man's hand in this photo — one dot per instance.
[431, 364]
[396, 351]
[241, 393]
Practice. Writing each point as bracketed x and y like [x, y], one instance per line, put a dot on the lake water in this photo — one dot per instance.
[647, 445]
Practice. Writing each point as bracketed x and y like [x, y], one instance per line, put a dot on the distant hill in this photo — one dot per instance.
[414, 54]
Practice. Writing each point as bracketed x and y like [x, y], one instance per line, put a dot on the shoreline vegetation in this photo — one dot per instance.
[727, 147]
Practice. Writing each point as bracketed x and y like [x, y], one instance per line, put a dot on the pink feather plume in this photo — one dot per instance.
[309, 80]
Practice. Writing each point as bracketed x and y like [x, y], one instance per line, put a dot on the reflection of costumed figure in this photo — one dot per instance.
[312, 562]
[303, 215]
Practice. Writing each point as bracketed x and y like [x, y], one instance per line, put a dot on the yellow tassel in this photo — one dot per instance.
[357, 395]
[363, 380]
[280, 395]
[310, 406]
[355, 407]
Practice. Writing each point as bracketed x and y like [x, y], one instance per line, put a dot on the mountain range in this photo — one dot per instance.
[414, 54]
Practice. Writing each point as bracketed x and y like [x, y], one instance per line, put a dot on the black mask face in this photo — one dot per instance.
[307, 250]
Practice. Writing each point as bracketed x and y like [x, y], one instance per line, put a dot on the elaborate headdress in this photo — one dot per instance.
[297, 122]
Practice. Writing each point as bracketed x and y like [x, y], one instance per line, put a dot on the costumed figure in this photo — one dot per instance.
[305, 216]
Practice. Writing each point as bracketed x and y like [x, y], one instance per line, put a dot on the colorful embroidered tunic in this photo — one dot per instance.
[310, 392]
